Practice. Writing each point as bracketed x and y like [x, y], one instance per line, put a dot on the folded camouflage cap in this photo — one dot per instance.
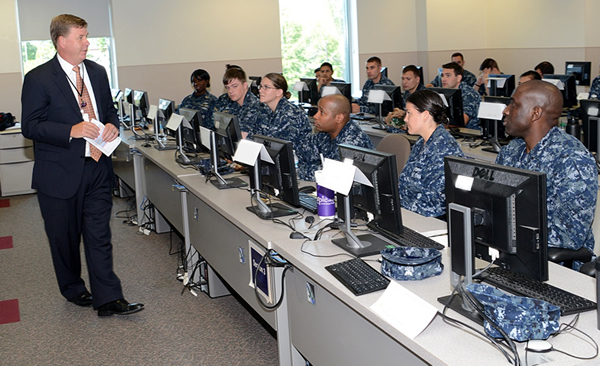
[410, 263]
[522, 318]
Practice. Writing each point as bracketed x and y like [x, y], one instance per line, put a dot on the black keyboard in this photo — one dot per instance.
[308, 202]
[358, 276]
[408, 238]
[520, 285]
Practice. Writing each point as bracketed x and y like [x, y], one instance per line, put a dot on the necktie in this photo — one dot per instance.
[86, 104]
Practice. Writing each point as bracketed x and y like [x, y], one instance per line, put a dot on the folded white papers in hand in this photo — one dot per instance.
[404, 310]
[106, 147]
[339, 176]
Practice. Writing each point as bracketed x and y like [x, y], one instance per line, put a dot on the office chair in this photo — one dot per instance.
[567, 256]
[398, 145]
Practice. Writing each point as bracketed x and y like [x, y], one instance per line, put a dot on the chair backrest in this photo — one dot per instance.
[398, 145]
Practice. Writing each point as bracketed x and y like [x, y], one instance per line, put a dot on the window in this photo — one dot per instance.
[312, 32]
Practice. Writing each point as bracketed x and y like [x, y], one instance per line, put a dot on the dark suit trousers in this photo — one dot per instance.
[86, 215]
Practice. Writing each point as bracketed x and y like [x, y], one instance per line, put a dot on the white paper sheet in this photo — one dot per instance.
[404, 310]
[106, 147]
[248, 151]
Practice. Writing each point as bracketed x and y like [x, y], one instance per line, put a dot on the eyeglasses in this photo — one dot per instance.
[266, 87]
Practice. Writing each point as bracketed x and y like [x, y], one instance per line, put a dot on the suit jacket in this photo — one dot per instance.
[49, 110]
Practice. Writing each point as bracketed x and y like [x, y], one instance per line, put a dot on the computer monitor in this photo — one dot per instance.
[508, 213]
[569, 90]
[384, 71]
[277, 179]
[142, 106]
[311, 95]
[253, 83]
[454, 109]
[582, 71]
[501, 85]
[381, 202]
[165, 110]
[128, 95]
[190, 137]
[493, 130]
[590, 121]
[344, 89]
[116, 95]
[395, 94]
[227, 133]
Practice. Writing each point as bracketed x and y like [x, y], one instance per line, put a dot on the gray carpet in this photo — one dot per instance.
[174, 329]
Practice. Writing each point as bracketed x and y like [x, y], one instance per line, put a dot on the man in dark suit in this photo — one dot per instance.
[74, 181]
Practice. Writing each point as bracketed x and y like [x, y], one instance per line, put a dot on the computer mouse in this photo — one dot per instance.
[297, 235]
[539, 345]
[307, 189]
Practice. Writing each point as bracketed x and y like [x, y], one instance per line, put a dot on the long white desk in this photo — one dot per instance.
[340, 328]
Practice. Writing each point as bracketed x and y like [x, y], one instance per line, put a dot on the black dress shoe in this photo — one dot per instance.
[119, 307]
[83, 299]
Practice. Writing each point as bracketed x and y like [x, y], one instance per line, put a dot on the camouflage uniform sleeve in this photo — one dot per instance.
[471, 101]
[308, 159]
[576, 186]
[436, 82]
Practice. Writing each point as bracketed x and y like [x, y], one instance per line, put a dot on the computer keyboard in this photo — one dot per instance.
[408, 238]
[308, 202]
[358, 276]
[520, 285]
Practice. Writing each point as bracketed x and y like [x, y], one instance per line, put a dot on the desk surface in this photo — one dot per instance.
[440, 343]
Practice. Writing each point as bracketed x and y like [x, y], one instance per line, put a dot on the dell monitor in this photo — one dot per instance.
[381, 202]
[253, 83]
[310, 96]
[165, 110]
[590, 120]
[188, 139]
[384, 71]
[501, 85]
[277, 179]
[582, 71]
[395, 94]
[507, 209]
[224, 140]
[128, 95]
[142, 106]
[568, 88]
[493, 130]
[454, 105]
[344, 89]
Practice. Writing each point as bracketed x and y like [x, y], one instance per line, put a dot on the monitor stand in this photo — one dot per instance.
[160, 145]
[380, 122]
[220, 182]
[136, 136]
[259, 207]
[494, 140]
[361, 246]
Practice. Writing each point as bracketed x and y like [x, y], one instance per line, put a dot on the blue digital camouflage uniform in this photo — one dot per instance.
[572, 185]
[366, 107]
[468, 77]
[321, 143]
[405, 95]
[288, 122]
[421, 183]
[471, 100]
[247, 113]
[595, 88]
[205, 104]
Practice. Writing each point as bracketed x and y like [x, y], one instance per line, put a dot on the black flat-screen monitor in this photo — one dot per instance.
[582, 71]
[344, 89]
[454, 109]
[191, 136]
[381, 202]
[395, 94]
[506, 90]
[253, 83]
[384, 71]
[128, 97]
[142, 106]
[310, 96]
[277, 179]
[590, 121]
[493, 130]
[569, 91]
[227, 134]
[166, 108]
[508, 213]
[116, 95]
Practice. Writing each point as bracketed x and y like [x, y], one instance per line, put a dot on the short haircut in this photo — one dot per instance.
[413, 69]
[61, 26]
[234, 73]
[458, 54]
[375, 59]
[533, 74]
[458, 70]
[488, 63]
[545, 67]
[318, 69]
[202, 75]
[327, 64]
